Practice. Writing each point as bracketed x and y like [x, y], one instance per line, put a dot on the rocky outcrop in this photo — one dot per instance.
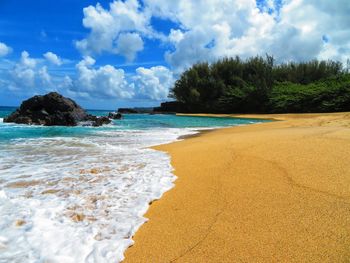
[99, 121]
[171, 107]
[115, 116]
[127, 110]
[53, 109]
[137, 110]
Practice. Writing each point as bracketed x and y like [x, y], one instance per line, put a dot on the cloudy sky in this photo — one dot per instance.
[110, 54]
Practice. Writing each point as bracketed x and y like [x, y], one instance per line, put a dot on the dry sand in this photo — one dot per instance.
[272, 192]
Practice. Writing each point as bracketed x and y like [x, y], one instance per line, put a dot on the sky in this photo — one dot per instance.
[128, 53]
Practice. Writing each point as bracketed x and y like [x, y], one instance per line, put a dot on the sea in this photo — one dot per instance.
[79, 194]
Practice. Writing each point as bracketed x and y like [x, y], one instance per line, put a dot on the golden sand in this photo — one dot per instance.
[271, 192]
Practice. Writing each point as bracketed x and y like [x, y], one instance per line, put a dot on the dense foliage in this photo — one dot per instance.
[256, 85]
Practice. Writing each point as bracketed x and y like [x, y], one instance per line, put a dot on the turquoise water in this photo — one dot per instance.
[129, 122]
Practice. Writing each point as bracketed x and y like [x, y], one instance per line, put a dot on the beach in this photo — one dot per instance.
[78, 194]
[269, 192]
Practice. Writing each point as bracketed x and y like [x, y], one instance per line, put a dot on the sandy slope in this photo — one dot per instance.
[272, 192]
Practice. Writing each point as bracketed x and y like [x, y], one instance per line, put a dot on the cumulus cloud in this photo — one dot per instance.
[109, 82]
[316, 19]
[117, 30]
[23, 74]
[44, 76]
[104, 82]
[289, 30]
[22, 77]
[53, 58]
[211, 29]
[192, 47]
[31, 75]
[175, 36]
[27, 75]
[154, 83]
[4, 49]
[129, 44]
[26, 61]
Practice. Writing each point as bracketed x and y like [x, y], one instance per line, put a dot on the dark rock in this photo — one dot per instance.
[50, 109]
[127, 110]
[137, 110]
[23, 120]
[99, 121]
[144, 109]
[171, 107]
[163, 112]
[115, 116]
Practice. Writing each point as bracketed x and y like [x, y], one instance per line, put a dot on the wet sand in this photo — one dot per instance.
[271, 192]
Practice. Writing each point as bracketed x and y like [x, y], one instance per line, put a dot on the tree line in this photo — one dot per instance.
[259, 85]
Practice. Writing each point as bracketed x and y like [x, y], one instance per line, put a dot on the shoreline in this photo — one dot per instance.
[84, 198]
[233, 201]
[199, 132]
[188, 136]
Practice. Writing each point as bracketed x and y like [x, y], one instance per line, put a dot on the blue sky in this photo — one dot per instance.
[110, 54]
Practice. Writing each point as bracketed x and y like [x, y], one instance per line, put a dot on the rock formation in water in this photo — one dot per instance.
[127, 110]
[53, 109]
[115, 115]
[137, 110]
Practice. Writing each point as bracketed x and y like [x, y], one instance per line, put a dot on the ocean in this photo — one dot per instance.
[78, 194]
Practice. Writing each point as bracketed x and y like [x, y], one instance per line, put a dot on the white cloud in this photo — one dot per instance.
[31, 75]
[315, 19]
[27, 75]
[26, 61]
[44, 76]
[23, 73]
[211, 29]
[292, 30]
[109, 82]
[154, 83]
[104, 82]
[190, 49]
[116, 30]
[175, 36]
[22, 78]
[129, 44]
[4, 49]
[53, 58]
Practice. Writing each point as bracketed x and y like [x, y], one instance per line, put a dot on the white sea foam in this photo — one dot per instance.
[79, 199]
[1, 120]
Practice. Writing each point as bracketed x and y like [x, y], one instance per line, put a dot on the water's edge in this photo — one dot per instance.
[82, 198]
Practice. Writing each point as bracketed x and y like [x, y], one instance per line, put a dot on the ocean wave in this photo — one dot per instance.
[69, 199]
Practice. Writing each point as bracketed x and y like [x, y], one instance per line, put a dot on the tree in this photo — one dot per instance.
[258, 85]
